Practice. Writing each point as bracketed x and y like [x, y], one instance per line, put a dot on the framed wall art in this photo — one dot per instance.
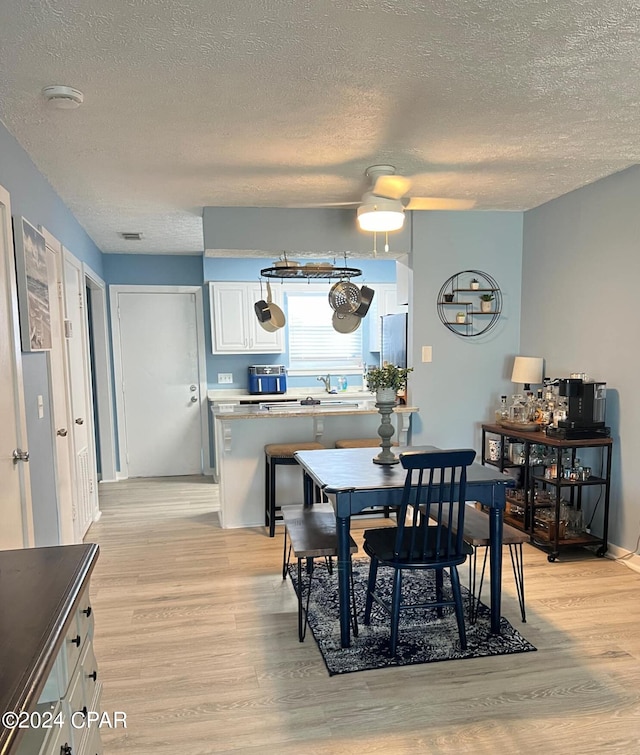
[33, 286]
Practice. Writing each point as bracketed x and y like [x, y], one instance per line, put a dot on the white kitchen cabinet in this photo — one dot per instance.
[234, 326]
[384, 303]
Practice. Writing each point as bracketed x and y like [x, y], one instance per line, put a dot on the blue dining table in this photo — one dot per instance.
[353, 483]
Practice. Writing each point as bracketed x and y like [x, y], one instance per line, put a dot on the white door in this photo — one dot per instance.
[60, 395]
[160, 384]
[81, 398]
[16, 520]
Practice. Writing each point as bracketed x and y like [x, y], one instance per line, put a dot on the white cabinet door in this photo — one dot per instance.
[235, 327]
[229, 318]
[384, 303]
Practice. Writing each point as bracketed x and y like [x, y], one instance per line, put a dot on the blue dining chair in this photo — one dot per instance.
[422, 538]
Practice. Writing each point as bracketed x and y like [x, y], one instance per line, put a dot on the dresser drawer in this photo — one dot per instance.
[80, 628]
[90, 675]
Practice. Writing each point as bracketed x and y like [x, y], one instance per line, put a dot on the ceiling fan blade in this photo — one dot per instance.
[439, 203]
[392, 187]
[319, 205]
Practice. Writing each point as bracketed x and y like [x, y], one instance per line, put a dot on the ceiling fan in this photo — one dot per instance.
[382, 206]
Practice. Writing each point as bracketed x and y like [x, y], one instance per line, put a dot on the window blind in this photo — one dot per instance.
[313, 343]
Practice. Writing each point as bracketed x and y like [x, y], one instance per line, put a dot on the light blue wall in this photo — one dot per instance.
[42, 466]
[581, 269]
[33, 197]
[457, 391]
[248, 269]
[153, 269]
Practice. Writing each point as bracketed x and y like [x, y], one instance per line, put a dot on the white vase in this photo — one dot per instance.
[485, 306]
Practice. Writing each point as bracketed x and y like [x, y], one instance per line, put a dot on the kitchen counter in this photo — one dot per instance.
[292, 394]
[345, 408]
[241, 432]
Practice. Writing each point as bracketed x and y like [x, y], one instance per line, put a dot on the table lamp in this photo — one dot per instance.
[527, 370]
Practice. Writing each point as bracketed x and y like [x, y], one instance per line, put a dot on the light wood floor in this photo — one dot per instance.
[196, 642]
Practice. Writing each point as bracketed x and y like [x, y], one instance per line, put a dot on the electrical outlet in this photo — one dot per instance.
[225, 377]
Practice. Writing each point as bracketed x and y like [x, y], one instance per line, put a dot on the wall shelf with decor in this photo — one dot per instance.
[469, 303]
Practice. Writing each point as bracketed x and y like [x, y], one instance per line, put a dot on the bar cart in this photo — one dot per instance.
[537, 504]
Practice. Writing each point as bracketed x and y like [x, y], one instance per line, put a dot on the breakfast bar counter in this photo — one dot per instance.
[242, 430]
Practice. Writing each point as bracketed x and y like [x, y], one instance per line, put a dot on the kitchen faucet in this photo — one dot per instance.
[327, 382]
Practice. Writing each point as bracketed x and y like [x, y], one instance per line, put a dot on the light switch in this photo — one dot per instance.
[40, 407]
[426, 354]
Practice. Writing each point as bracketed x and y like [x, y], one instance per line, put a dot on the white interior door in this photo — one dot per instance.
[81, 398]
[16, 519]
[60, 395]
[157, 350]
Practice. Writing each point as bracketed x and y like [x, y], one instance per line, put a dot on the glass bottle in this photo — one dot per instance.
[517, 409]
[502, 410]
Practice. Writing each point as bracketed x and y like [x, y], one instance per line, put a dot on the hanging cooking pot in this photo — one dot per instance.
[344, 297]
[277, 318]
[345, 323]
[262, 311]
[366, 297]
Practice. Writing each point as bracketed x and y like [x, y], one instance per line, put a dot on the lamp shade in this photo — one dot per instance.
[527, 370]
[380, 214]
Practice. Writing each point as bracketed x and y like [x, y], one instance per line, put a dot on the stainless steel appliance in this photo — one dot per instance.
[394, 340]
[267, 378]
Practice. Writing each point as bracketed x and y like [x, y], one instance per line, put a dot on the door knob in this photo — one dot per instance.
[194, 399]
[19, 455]
[193, 387]
[79, 421]
[62, 432]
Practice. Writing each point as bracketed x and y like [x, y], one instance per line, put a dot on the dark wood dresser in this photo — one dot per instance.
[48, 673]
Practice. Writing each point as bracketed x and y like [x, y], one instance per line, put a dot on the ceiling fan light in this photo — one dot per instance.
[381, 215]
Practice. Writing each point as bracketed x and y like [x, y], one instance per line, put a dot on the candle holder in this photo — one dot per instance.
[386, 399]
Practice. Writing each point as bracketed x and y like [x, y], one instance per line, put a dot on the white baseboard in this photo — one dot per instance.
[624, 557]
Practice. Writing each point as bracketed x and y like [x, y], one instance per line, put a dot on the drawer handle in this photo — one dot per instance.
[66, 749]
[76, 641]
[93, 675]
[87, 611]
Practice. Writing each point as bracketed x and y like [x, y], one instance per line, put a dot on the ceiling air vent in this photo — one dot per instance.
[127, 236]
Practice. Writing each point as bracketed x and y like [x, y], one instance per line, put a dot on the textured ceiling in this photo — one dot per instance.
[286, 102]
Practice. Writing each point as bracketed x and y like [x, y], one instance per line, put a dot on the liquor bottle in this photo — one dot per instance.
[502, 410]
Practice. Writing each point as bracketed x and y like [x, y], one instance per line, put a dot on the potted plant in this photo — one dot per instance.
[448, 297]
[475, 284]
[461, 318]
[387, 380]
[485, 302]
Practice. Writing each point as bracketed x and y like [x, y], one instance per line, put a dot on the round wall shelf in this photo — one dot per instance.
[461, 308]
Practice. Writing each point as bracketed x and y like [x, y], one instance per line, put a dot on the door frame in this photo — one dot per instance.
[97, 312]
[87, 379]
[114, 292]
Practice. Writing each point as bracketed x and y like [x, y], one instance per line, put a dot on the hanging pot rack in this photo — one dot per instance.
[304, 271]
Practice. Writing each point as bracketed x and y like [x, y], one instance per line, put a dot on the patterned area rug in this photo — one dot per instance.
[423, 638]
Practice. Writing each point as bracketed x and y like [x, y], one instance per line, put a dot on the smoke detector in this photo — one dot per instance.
[63, 97]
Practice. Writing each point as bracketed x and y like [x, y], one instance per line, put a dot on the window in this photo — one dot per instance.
[314, 346]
